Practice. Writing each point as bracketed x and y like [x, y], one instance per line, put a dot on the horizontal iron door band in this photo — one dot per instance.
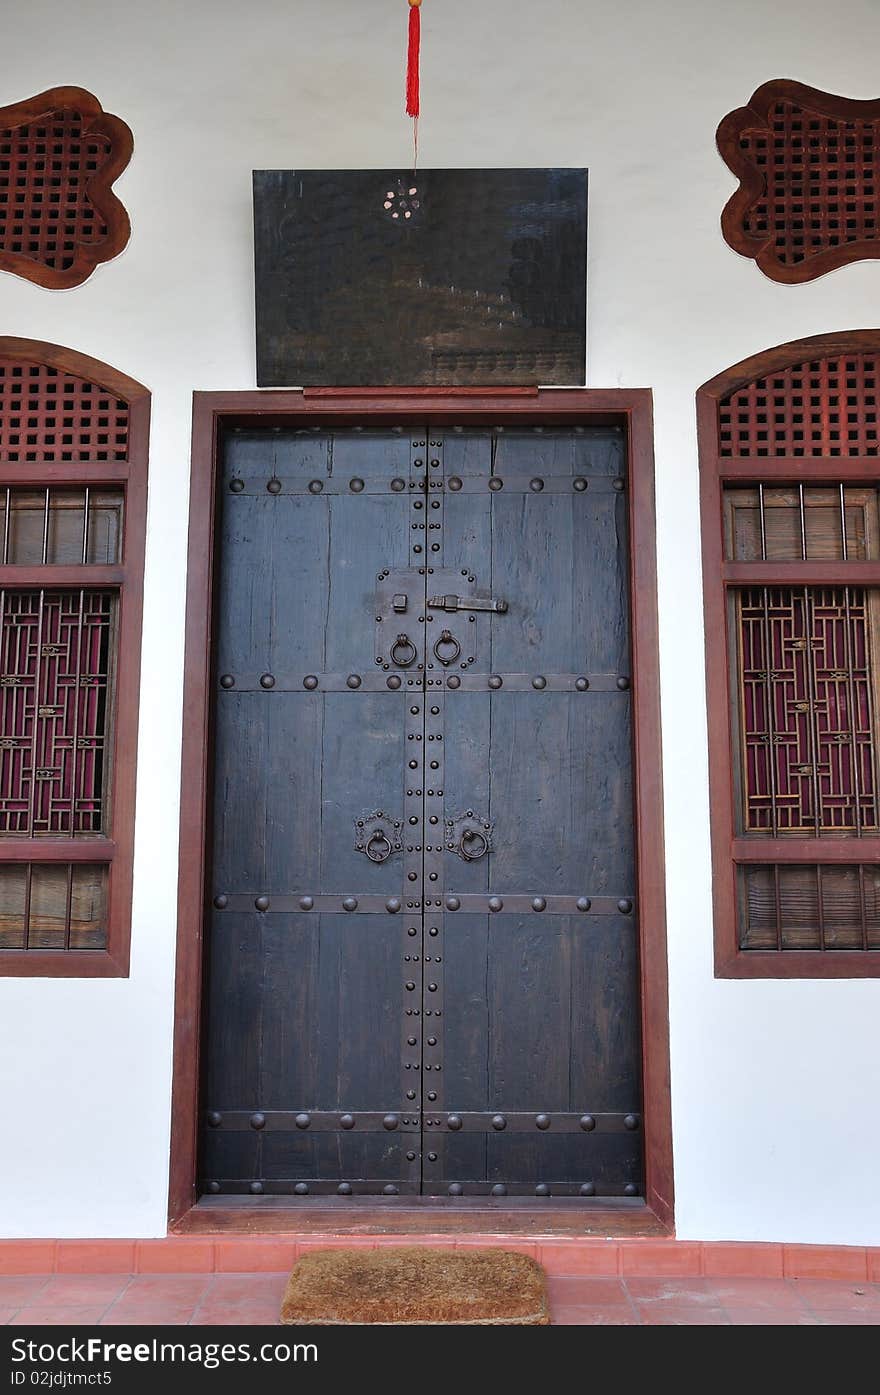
[471, 903]
[448, 1121]
[250, 485]
[624, 1195]
[372, 682]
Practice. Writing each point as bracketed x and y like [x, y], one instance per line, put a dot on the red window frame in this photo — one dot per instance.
[720, 576]
[40, 470]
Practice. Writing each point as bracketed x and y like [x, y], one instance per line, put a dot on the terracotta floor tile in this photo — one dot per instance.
[770, 1317]
[724, 1258]
[650, 1258]
[159, 1298]
[580, 1291]
[95, 1257]
[575, 1316]
[177, 1254]
[16, 1290]
[74, 1290]
[834, 1293]
[597, 1257]
[76, 1315]
[235, 1286]
[174, 1316]
[838, 1317]
[681, 1315]
[244, 1255]
[848, 1263]
[186, 1288]
[756, 1293]
[238, 1298]
[671, 1291]
[27, 1256]
[241, 1314]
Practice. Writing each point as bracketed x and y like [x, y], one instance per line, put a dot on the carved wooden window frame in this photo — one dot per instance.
[38, 462]
[799, 129]
[824, 462]
[38, 180]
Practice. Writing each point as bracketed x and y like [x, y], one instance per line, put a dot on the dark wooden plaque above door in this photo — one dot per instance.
[441, 277]
[422, 969]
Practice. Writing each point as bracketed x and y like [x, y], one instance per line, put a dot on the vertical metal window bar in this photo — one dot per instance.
[769, 693]
[771, 713]
[45, 529]
[76, 764]
[29, 876]
[862, 907]
[809, 621]
[35, 738]
[68, 904]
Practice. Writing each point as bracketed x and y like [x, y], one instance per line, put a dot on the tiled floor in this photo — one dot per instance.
[230, 1299]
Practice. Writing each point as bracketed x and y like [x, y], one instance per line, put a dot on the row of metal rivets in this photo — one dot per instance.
[539, 903]
[303, 1189]
[303, 1120]
[454, 1189]
[542, 1121]
[398, 430]
[394, 903]
[354, 680]
[434, 867]
[542, 1189]
[413, 807]
[356, 485]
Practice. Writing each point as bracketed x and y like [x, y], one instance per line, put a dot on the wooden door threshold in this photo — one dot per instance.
[261, 1215]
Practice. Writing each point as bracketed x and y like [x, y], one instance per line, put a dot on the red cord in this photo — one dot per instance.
[412, 62]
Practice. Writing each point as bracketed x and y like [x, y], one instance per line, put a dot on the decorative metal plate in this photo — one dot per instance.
[481, 280]
[469, 836]
[378, 836]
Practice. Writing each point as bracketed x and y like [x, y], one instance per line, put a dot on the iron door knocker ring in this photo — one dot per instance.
[469, 838]
[404, 643]
[379, 847]
[448, 641]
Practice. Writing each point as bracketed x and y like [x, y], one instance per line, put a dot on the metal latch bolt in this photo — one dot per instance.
[467, 603]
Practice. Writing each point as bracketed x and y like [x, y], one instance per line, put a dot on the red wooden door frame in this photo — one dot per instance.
[629, 408]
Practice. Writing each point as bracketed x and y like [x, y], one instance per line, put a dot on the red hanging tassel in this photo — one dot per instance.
[412, 59]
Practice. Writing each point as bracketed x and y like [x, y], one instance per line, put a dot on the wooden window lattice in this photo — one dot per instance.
[59, 154]
[826, 407]
[807, 725]
[809, 166]
[49, 415]
[55, 674]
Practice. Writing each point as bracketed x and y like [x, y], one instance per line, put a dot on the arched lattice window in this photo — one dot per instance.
[790, 483]
[73, 484]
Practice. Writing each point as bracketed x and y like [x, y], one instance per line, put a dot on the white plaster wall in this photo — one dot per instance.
[775, 1084]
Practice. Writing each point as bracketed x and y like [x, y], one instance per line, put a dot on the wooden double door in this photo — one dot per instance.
[422, 948]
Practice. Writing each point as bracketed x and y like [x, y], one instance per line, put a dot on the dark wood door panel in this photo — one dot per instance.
[458, 1013]
[506, 1164]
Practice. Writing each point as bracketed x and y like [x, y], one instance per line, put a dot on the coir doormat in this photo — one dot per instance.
[415, 1284]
